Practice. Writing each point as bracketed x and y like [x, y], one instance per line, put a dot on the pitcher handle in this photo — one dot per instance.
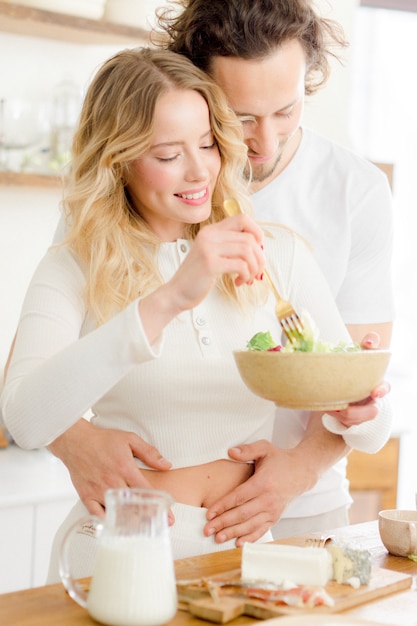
[92, 526]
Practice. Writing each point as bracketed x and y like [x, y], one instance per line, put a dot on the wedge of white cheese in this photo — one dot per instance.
[280, 564]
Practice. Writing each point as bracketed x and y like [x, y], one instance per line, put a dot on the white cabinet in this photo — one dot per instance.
[16, 524]
[47, 517]
[36, 494]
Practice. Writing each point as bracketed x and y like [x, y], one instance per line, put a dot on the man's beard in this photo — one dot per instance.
[262, 172]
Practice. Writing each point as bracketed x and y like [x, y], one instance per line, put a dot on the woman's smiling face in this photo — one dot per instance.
[172, 185]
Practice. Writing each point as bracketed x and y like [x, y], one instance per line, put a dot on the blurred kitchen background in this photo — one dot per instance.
[367, 106]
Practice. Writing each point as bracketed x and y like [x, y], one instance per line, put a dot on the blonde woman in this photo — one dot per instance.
[135, 316]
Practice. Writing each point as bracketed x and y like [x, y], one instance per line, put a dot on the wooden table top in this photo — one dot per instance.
[51, 606]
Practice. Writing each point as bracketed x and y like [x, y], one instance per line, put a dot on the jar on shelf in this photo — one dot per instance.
[66, 106]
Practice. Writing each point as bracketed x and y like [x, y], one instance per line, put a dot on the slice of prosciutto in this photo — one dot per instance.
[300, 596]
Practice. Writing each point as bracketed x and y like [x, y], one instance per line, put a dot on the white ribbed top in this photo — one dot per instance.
[183, 394]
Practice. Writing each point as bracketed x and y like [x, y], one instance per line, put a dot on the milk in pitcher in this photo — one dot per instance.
[133, 582]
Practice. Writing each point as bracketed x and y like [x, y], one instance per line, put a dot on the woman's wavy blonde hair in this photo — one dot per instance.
[116, 127]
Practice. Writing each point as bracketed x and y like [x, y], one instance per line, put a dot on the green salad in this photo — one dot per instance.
[308, 341]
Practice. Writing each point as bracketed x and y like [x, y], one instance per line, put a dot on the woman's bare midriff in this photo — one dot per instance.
[200, 485]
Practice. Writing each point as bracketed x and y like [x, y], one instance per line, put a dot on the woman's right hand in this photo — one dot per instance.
[232, 246]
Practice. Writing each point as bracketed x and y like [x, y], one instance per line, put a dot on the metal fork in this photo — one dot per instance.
[287, 316]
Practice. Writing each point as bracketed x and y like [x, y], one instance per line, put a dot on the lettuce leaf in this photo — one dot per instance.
[308, 341]
[261, 341]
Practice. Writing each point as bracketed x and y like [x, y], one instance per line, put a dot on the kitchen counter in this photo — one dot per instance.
[50, 605]
[32, 476]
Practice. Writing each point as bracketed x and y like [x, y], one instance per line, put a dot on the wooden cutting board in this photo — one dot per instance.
[195, 597]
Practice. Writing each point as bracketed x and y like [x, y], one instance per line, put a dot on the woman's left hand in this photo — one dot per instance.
[366, 409]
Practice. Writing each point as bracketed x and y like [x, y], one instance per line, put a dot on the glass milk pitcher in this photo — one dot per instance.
[133, 579]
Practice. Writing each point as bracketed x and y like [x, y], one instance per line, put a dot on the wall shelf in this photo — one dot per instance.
[29, 180]
[17, 19]
[22, 20]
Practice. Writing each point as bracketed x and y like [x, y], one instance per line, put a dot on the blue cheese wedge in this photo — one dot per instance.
[281, 564]
[351, 565]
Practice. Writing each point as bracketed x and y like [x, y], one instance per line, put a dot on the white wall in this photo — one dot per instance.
[328, 111]
[384, 127]
[27, 222]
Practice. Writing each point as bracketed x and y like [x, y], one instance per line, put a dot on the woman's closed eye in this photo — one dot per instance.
[172, 157]
[165, 159]
[212, 145]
